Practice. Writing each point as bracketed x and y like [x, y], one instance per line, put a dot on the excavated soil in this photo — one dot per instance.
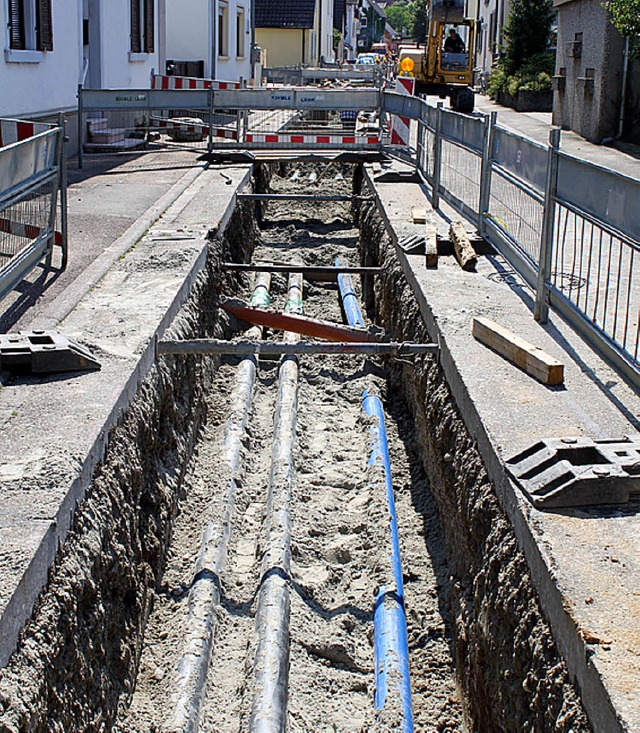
[340, 536]
[103, 646]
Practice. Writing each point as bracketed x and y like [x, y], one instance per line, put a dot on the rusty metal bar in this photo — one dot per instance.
[269, 348]
[313, 327]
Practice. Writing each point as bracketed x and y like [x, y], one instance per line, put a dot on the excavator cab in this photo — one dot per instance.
[444, 65]
[445, 70]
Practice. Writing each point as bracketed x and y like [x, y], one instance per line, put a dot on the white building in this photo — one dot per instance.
[123, 40]
[217, 33]
[52, 46]
[42, 60]
[490, 17]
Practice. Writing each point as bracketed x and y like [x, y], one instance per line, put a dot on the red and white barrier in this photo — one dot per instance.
[168, 124]
[400, 126]
[312, 139]
[28, 231]
[15, 131]
[160, 81]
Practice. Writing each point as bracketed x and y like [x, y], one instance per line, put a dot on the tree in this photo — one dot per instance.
[527, 31]
[419, 10]
[400, 17]
[625, 16]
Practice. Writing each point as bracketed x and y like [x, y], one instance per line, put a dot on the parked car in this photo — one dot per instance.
[366, 60]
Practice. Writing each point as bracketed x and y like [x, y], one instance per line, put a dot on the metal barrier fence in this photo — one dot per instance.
[32, 187]
[569, 227]
[213, 118]
[301, 76]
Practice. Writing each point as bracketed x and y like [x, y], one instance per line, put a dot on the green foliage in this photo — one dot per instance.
[534, 75]
[625, 16]
[527, 31]
[337, 37]
[400, 17]
[497, 82]
[420, 29]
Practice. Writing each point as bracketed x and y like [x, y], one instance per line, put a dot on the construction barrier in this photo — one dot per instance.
[216, 115]
[14, 131]
[401, 126]
[32, 187]
[160, 81]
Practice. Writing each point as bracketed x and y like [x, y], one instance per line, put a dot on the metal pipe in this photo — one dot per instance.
[271, 666]
[204, 596]
[299, 197]
[269, 348]
[625, 82]
[348, 294]
[312, 272]
[391, 649]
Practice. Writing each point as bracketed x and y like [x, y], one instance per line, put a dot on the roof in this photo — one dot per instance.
[285, 13]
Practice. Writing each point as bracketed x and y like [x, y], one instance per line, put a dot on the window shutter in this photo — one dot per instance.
[149, 26]
[44, 26]
[136, 46]
[16, 24]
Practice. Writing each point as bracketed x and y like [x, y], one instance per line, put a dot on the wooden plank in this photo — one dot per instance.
[430, 240]
[418, 215]
[530, 358]
[465, 253]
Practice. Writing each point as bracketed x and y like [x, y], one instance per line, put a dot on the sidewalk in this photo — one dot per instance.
[113, 200]
[537, 125]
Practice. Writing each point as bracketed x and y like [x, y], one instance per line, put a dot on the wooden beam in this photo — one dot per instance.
[418, 215]
[430, 239]
[465, 253]
[530, 358]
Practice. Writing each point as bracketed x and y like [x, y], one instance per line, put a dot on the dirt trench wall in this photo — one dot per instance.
[511, 673]
[79, 653]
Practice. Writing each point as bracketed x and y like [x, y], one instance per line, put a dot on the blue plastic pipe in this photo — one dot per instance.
[349, 297]
[390, 646]
[391, 649]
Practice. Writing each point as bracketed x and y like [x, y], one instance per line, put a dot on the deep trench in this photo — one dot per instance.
[100, 648]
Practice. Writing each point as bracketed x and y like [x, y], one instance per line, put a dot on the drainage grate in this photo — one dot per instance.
[570, 472]
[43, 352]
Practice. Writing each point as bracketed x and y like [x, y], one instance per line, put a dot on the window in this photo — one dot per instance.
[223, 30]
[30, 25]
[240, 34]
[142, 26]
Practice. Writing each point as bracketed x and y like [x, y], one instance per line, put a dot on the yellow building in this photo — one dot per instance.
[294, 32]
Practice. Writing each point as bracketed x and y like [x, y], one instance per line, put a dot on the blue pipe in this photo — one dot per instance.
[349, 297]
[390, 645]
[391, 649]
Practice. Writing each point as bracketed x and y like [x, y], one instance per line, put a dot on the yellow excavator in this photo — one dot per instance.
[444, 64]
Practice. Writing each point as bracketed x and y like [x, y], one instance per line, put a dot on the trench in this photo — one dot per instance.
[106, 639]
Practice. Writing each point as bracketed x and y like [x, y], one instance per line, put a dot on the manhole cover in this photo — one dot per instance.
[567, 281]
[509, 277]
